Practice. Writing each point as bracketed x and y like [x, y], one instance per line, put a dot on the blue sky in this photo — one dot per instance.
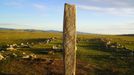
[93, 16]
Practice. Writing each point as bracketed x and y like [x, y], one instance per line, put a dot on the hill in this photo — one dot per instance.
[36, 30]
[128, 35]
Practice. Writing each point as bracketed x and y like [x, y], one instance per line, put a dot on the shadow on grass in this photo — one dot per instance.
[94, 44]
[112, 65]
[39, 50]
[42, 50]
[36, 40]
[98, 45]
[6, 74]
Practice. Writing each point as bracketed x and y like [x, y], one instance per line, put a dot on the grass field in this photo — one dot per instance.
[93, 58]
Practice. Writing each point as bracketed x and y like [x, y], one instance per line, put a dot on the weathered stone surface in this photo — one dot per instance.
[69, 39]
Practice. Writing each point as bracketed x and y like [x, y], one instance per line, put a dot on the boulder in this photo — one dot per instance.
[23, 53]
[47, 41]
[15, 55]
[55, 47]
[31, 56]
[10, 48]
[1, 57]
[51, 52]
[26, 56]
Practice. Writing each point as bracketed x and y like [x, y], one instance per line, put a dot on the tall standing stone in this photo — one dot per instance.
[69, 39]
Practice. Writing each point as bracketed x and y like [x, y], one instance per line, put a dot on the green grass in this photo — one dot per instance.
[88, 50]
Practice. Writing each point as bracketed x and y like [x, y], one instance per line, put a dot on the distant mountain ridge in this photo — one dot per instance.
[6, 29]
[34, 30]
[55, 31]
[127, 35]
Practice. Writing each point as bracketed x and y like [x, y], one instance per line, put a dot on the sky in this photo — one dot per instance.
[93, 16]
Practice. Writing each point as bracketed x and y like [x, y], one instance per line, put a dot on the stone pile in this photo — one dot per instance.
[30, 56]
[109, 45]
[10, 48]
[1, 57]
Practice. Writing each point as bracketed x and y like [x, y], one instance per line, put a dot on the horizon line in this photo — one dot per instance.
[6, 28]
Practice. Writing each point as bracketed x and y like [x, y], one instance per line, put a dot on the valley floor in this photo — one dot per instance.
[41, 53]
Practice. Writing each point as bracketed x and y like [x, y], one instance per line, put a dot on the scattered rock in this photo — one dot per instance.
[22, 44]
[32, 43]
[10, 48]
[54, 47]
[51, 52]
[31, 56]
[1, 57]
[23, 53]
[15, 55]
[14, 45]
[26, 56]
[47, 41]
[2, 51]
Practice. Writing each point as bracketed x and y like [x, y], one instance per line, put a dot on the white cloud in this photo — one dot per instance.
[116, 7]
[116, 29]
[7, 24]
[109, 10]
[122, 28]
[20, 3]
[123, 3]
[14, 4]
[39, 6]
